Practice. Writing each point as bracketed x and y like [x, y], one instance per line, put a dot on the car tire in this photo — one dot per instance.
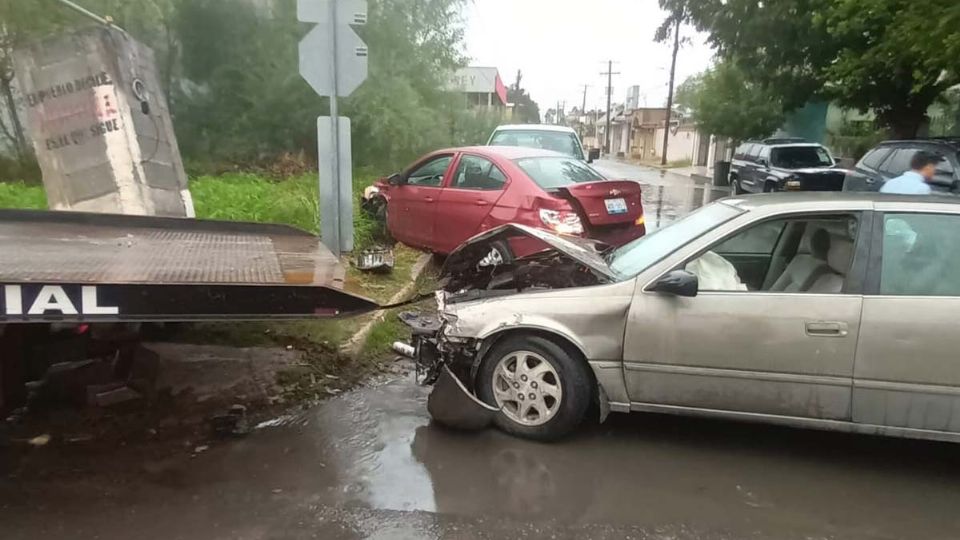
[552, 413]
[769, 187]
[735, 188]
[500, 253]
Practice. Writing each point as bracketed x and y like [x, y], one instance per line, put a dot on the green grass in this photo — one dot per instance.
[247, 197]
[20, 195]
[240, 197]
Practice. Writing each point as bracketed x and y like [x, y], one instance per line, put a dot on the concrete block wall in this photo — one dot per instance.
[100, 125]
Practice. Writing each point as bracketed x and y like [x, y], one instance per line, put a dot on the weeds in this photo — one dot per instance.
[20, 195]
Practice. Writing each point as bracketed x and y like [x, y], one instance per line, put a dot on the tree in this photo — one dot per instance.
[867, 54]
[887, 61]
[724, 102]
[525, 109]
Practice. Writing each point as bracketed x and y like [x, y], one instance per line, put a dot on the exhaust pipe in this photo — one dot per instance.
[404, 349]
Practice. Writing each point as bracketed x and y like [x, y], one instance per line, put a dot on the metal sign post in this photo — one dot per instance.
[333, 60]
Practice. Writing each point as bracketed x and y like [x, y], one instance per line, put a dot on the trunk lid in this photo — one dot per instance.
[605, 202]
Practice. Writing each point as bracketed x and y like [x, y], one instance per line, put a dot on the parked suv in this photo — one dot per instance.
[786, 164]
[892, 158]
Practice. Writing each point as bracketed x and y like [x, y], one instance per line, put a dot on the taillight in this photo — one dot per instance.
[561, 221]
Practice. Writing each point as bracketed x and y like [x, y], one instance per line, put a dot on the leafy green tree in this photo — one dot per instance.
[726, 103]
[892, 56]
[886, 60]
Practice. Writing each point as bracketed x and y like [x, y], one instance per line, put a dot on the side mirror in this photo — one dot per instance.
[763, 162]
[677, 282]
[395, 179]
[593, 154]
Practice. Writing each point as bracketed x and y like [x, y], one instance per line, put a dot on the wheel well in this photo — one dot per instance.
[557, 339]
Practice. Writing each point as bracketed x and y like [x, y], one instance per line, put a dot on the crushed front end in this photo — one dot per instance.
[448, 351]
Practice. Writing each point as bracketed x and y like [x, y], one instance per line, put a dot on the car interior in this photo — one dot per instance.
[793, 255]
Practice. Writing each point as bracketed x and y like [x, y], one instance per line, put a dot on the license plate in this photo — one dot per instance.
[616, 206]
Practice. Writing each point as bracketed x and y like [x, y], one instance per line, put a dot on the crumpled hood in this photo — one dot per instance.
[464, 262]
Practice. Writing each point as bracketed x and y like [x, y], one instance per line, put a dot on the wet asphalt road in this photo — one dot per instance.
[369, 465]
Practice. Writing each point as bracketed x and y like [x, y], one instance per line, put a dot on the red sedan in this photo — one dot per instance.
[451, 195]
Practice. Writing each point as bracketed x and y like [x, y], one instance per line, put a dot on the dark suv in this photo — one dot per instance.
[783, 165]
[892, 158]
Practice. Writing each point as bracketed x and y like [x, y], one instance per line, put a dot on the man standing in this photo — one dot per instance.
[923, 165]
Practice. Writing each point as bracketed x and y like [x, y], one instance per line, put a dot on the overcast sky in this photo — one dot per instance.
[560, 45]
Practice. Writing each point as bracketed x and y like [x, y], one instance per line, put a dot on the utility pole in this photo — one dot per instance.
[673, 71]
[583, 112]
[606, 132]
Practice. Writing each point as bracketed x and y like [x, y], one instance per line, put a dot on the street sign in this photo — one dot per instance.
[316, 51]
[333, 60]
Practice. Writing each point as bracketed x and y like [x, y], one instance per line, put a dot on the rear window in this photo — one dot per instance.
[558, 141]
[555, 172]
[798, 157]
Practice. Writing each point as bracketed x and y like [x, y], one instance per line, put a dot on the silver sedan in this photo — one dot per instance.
[832, 311]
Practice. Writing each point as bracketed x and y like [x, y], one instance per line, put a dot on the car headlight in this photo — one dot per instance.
[561, 221]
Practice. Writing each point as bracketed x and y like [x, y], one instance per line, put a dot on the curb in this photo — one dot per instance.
[356, 341]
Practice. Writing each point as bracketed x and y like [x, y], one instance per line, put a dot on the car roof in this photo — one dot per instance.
[506, 152]
[535, 127]
[832, 200]
[946, 141]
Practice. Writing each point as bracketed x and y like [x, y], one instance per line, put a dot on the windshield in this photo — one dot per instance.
[798, 157]
[558, 141]
[556, 172]
[631, 259]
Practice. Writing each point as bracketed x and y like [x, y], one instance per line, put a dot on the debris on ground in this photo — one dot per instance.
[232, 424]
[39, 440]
[378, 259]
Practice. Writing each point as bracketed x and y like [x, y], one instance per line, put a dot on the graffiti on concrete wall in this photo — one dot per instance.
[77, 111]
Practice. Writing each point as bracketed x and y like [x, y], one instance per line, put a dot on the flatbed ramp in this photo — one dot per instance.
[75, 266]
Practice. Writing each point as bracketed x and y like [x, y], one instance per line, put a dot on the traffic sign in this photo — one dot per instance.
[333, 60]
[332, 55]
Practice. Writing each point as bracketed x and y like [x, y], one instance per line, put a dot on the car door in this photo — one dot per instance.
[469, 195]
[411, 214]
[732, 349]
[866, 175]
[907, 367]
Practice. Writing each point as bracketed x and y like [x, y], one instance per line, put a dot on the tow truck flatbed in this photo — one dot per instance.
[58, 266]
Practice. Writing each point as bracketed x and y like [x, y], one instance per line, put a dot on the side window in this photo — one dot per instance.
[474, 172]
[899, 162]
[920, 255]
[795, 255]
[430, 173]
[764, 153]
[754, 151]
[874, 158]
[945, 171]
[759, 239]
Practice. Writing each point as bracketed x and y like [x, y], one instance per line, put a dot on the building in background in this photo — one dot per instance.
[481, 86]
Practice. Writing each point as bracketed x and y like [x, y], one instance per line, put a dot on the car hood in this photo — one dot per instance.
[463, 266]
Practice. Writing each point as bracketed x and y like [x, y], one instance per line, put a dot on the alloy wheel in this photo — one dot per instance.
[527, 388]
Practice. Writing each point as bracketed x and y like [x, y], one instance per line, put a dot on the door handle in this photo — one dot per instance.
[480, 202]
[428, 198]
[826, 328]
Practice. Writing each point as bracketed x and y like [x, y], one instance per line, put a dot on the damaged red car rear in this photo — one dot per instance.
[448, 196]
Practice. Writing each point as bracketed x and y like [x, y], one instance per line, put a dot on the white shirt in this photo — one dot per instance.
[908, 183]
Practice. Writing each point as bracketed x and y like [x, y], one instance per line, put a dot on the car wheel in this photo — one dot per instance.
[543, 392]
[735, 186]
[769, 187]
[499, 254]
